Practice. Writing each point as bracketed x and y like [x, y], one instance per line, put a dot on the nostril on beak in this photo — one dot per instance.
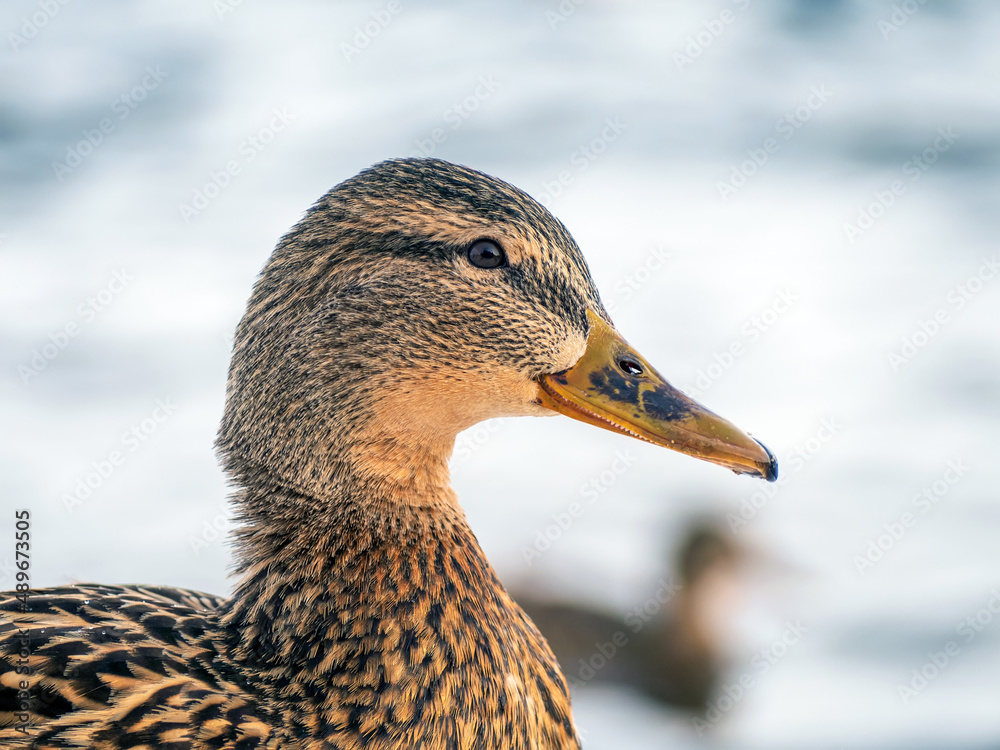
[630, 367]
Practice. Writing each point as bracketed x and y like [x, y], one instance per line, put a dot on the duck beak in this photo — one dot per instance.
[613, 387]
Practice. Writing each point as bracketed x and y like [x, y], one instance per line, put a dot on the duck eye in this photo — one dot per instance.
[487, 254]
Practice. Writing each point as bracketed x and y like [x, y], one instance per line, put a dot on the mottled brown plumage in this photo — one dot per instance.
[365, 615]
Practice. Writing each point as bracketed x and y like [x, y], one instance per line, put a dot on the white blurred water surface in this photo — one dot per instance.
[638, 111]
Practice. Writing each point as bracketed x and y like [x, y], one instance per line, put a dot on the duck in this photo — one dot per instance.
[410, 302]
[667, 648]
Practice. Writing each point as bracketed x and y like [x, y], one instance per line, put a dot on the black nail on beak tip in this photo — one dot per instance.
[771, 473]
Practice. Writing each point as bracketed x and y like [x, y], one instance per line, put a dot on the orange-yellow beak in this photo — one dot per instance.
[613, 387]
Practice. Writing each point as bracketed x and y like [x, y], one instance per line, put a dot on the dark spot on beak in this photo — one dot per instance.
[613, 385]
[660, 403]
[663, 404]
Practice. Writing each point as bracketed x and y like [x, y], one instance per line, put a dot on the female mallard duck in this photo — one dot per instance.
[671, 654]
[411, 302]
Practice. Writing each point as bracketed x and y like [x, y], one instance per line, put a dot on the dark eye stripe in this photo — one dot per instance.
[486, 254]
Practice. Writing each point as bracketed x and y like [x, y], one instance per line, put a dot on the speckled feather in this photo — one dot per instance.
[366, 615]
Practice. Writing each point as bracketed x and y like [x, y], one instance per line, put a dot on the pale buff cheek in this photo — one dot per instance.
[527, 401]
[430, 404]
[517, 396]
[572, 350]
[523, 402]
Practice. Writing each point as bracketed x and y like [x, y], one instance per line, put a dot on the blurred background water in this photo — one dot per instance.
[790, 207]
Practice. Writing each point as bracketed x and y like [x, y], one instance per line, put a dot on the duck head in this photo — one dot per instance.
[415, 300]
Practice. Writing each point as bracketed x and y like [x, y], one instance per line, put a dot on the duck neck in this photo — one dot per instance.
[297, 552]
[378, 489]
[385, 614]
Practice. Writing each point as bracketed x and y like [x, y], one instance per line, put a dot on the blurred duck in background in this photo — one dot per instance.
[673, 647]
